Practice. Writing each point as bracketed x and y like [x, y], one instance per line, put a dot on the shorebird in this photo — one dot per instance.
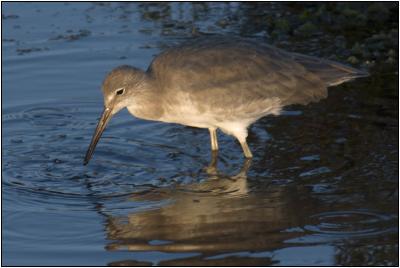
[218, 83]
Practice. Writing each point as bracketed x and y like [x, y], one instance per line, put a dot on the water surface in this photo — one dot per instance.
[322, 188]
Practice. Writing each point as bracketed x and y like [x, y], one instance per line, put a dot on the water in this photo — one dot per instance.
[322, 188]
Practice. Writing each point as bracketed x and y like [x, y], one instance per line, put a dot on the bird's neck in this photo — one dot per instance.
[147, 103]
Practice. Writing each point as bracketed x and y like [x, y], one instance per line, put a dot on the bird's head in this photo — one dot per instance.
[119, 89]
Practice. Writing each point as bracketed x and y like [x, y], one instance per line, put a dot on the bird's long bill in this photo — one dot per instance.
[105, 117]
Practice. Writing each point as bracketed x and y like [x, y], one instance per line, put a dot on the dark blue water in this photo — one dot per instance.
[322, 188]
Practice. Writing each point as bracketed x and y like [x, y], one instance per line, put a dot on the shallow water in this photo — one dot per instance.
[322, 188]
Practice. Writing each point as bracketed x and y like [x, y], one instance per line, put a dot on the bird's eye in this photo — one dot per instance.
[120, 91]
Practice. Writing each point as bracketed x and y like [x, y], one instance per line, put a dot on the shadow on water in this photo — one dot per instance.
[321, 190]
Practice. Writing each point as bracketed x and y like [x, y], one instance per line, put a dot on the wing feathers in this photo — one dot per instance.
[230, 72]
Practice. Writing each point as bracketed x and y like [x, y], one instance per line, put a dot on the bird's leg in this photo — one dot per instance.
[245, 167]
[212, 167]
[241, 136]
[214, 141]
[246, 149]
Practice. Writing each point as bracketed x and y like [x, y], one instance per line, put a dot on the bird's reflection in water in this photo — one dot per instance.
[222, 214]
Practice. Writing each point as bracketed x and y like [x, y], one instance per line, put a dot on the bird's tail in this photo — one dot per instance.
[332, 73]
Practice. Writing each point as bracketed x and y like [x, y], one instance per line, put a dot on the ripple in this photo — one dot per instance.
[310, 158]
[349, 223]
[317, 171]
[56, 225]
[50, 115]
[45, 116]
[339, 225]
[44, 146]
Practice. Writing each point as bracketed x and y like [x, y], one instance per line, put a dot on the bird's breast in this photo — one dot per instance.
[147, 111]
[182, 108]
[189, 116]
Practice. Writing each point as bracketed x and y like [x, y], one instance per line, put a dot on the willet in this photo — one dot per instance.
[218, 83]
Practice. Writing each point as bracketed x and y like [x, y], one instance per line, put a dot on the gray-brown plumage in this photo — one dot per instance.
[219, 82]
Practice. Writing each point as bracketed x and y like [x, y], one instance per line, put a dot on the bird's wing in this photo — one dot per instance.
[332, 73]
[236, 73]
